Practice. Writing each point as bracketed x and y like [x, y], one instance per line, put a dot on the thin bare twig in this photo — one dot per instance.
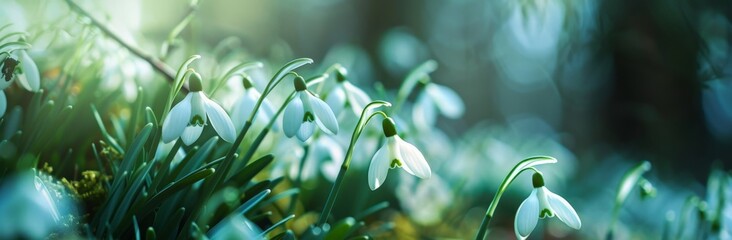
[156, 63]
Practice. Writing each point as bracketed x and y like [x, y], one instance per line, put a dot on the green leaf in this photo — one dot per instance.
[341, 229]
[247, 173]
[277, 224]
[173, 187]
[112, 142]
[137, 227]
[286, 235]
[12, 46]
[150, 234]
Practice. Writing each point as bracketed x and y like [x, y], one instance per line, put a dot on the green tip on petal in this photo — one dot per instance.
[300, 84]
[545, 213]
[395, 163]
[246, 81]
[389, 127]
[537, 180]
[341, 74]
[194, 82]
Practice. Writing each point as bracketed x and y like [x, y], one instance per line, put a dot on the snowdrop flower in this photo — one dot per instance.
[434, 98]
[543, 203]
[28, 75]
[24, 69]
[305, 111]
[396, 153]
[187, 119]
[245, 104]
[346, 94]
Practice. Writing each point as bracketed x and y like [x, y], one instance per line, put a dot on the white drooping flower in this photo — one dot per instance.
[245, 104]
[543, 203]
[187, 119]
[435, 98]
[19, 65]
[305, 111]
[346, 94]
[396, 153]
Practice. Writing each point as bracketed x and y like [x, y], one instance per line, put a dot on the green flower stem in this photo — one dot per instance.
[690, 204]
[629, 180]
[362, 121]
[298, 179]
[233, 71]
[419, 74]
[157, 64]
[225, 167]
[526, 164]
[178, 83]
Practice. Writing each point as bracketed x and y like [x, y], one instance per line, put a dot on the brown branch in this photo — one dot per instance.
[157, 64]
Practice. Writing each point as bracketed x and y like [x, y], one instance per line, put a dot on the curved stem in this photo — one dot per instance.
[362, 121]
[418, 74]
[629, 180]
[525, 164]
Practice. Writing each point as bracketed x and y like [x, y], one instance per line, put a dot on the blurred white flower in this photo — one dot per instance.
[346, 94]
[187, 119]
[543, 203]
[29, 209]
[436, 97]
[305, 111]
[245, 104]
[396, 153]
[424, 201]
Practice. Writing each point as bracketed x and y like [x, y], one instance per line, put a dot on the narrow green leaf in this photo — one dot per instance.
[247, 173]
[340, 229]
[178, 185]
[137, 227]
[112, 142]
[286, 235]
[373, 209]
[150, 234]
[277, 224]
[12, 46]
[249, 204]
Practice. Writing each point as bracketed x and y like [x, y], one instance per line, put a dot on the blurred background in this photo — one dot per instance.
[599, 84]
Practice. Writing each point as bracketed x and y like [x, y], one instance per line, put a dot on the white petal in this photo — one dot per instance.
[357, 98]
[220, 120]
[527, 216]
[306, 130]
[293, 118]
[413, 159]
[177, 120]
[191, 134]
[563, 210]
[423, 113]
[3, 103]
[239, 113]
[447, 100]
[30, 79]
[336, 99]
[324, 115]
[378, 168]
